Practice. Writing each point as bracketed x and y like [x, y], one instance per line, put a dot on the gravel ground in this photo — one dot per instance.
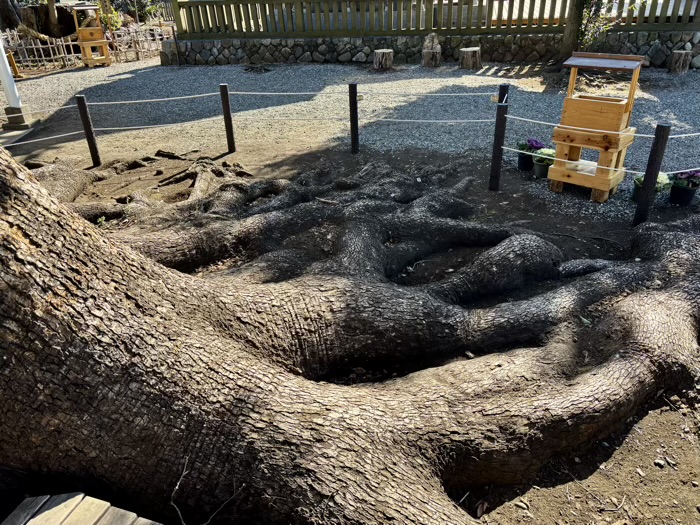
[661, 96]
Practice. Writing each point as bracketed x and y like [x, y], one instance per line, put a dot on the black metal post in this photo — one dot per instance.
[228, 121]
[503, 93]
[89, 131]
[354, 124]
[648, 190]
[499, 138]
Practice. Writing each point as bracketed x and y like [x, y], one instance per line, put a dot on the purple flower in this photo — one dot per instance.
[535, 144]
[688, 175]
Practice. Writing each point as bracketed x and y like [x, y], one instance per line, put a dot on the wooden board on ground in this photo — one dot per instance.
[71, 509]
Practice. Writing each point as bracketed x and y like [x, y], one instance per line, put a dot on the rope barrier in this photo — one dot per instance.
[48, 109]
[681, 171]
[427, 121]
[293, 93]
[151, 100]
[533, 154]
[46, 138]
[580, 129]
[427, 94]
[235, 118]
[684, 135]
[151, 126]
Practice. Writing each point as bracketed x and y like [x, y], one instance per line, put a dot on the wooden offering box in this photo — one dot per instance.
[94, 47]
[596, 115]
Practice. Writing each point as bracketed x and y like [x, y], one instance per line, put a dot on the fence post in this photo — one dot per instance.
[89, 131]
[499, 137]
[354, 124]
[228, 121]
[503, 93]
[648, 190]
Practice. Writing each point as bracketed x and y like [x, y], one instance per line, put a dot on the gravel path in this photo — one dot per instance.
[660, 96]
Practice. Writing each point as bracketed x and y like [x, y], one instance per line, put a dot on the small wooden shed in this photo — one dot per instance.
[94, 47]
[595, 116]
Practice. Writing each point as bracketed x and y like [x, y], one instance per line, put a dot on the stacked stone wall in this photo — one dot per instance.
[656, 47]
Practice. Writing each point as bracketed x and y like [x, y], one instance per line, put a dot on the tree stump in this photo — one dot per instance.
[680, 61]
[432, 51]
[383, 59]
[470, 58]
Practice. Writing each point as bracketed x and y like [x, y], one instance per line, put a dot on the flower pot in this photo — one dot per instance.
[635, 193]
[541, 170]
[682, 195]
[524, 162]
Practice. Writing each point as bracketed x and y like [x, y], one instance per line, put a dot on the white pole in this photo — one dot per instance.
[8, 82]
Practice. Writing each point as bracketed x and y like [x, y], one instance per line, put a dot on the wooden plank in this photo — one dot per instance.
[89, 512]
[552, 12]
[327, 14]
[562, 13]
[390, 12]
[603, 63]
[489, 14]
[509, 20]
[632, 11]
[439, 24]
[298, 17]
[116, 516]
[540, 14]
[594, 114]
[56, 509]
[470, 14]
[521, 11]
[372, 23]
[592, 140]
[460, 14]
[450, 11]
[399, 14]
[686, 11]
[382, 18]
[674, 12]
[530, 12]
[664, 14]
[23, 513]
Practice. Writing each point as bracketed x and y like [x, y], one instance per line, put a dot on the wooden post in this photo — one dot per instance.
[499, 138]
[648, 189]
[89, 131]
[503, 93]
[470, 58]
[228, 121]
[383, 59]
[354, 124]
[680, 61]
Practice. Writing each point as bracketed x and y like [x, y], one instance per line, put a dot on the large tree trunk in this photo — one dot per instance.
[115, 367]
[9, 12]
[572, 29]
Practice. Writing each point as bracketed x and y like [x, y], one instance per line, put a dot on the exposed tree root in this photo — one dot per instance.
[117, 367]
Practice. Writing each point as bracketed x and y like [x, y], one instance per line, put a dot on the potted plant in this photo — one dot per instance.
[662, 183]
[684, 186]
[543, 160]
[525, 162]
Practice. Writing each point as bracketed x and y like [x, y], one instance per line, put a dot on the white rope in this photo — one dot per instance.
[235, 118]
[428, 121]
[684, 135]
[681, 171]
[580, 129]
[291, 94]
[535, 154]
[150, 100]
[40, 140]
[427, 94]
[150, 126]
[46, 110]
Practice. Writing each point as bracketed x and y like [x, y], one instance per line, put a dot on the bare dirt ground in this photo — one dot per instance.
[647, 473]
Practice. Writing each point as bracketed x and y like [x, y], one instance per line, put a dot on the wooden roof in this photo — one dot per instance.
[603, 61]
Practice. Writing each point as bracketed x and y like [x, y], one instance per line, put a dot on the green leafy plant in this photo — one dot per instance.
[544, 154]
[112, 19]
[663, 182]
[687, 179]
[101, 221]
[598, 19]
[530, 145]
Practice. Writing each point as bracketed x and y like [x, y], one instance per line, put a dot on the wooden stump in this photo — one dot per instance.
[680, 61]
[470, 58]
[383, 59]
[432, 51]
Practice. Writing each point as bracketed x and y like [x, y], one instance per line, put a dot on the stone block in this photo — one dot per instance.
[306, 57]
[361, 57]
[345, 57]
[221, 60]
[317, 57]
[695, 63]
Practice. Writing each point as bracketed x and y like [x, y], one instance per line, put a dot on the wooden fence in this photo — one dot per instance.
[33, 54]
[207, 19]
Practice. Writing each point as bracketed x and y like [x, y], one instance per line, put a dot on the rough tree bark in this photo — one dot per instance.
[114, 366]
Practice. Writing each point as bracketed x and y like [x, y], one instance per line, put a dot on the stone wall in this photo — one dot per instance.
[656, 47]
[407, 50]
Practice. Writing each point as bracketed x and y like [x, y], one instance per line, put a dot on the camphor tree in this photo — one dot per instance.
[116, 364]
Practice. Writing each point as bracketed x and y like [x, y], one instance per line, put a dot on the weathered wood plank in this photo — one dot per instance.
[89, 512]
[116, 516]
[56, 509]
[25, 510]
